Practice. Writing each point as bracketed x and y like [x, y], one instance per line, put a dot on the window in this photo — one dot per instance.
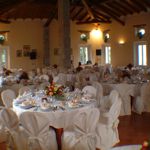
[107, 49]
[84, 54]
[140, 53]
[4, 56]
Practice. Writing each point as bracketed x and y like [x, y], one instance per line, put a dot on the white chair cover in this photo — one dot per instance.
[83, 135]
[108, 101]
[17, 139]
[99, 91]
[125, 91]
[44, 71]
[55, 79]
[90, 90]
[7, 97]
[44, 77]
[3, 135]
[37, 127]
[24, 89]
[142, 102]
[62, 78]
[107, 129]
[43, 85]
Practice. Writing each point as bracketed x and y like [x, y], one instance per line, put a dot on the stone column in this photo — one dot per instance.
[46, 58]
[64, 31]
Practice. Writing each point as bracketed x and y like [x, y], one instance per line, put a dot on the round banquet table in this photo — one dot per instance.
[61, 118]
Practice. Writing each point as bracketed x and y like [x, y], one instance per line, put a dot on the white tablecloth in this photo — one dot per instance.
[61, 118]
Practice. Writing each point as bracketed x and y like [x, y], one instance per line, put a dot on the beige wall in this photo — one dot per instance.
[24, 32]
[30, 32]
[122, 54]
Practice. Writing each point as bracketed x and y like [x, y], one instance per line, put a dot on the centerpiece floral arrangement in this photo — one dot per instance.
[146, 145]
[54, 90]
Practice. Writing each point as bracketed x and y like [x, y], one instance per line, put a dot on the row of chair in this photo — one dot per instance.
[9, 95]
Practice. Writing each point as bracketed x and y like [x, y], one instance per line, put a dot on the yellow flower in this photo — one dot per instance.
[145, 144]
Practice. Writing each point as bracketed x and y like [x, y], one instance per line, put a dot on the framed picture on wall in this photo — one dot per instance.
[19, 53]
[26, 50]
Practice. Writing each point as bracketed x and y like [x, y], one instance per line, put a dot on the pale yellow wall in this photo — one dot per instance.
[30, 32]
[25, 32]
[75, 41]
[121, 54]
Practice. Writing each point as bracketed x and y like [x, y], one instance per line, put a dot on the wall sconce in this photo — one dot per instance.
[140, 30]
[3, 36]
[106, 36]
[121, 41]
[84, 36]
[141, 33]
[2, 39]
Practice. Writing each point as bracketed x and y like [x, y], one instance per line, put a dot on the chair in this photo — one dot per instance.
[125, 91]
[107, 127]
[17, 138]
[142, 102]
[24, 89]
[3, 135]
[99, 91]
[56, 79]
[89, 90]
[44, 77]
[43, 86]
[36, 126]
[7, 97]
[107, 101]
[82, 136]
[62, 78]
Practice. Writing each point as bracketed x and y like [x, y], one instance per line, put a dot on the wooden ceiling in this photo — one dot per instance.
[81, 11]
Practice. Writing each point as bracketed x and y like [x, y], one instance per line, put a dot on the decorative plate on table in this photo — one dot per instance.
[27, 105]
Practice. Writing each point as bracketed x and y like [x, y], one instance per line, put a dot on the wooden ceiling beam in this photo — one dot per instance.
[147, 2]
[99, 16]
[140, 5]
[97, 11]
[110, 13]
[4, 21]
[106, 8]
[86, 17]
[123, 7]
[115, 7]
[131, 5]
[103, 19]
[82, 16]
[75, 16]
[89, 10]
[52, 15]
[72, 9]
[92, 21]
[12, 7]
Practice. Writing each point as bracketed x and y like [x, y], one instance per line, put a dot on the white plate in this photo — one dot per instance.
[26, 106]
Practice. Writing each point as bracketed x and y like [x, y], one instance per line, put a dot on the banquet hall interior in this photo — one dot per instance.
[74, 75]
